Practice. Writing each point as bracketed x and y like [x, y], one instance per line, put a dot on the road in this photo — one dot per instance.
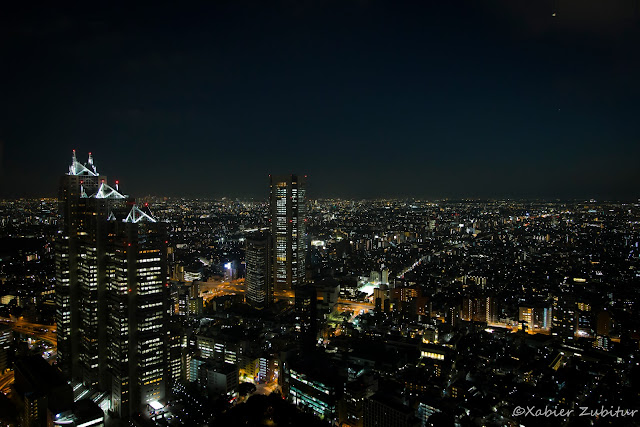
[426, 257]
[50, 337]
[216, 288]
[266, 388]
[37, 330]
[5, 382]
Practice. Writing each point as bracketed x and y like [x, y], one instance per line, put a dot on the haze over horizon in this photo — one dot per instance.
[371, 99]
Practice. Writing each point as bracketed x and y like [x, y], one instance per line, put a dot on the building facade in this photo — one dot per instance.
[110, 291]
[381, 410]
[313, 387]
[259, 280]
[536, 318]
[288, 230]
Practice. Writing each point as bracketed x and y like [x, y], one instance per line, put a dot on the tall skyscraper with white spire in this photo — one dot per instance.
[288, 230]
[110, 283]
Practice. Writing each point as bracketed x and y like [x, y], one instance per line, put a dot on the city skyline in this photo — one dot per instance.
[499, 99]
[392, 312]
[354, 213]
[266, 198]
[79, 168]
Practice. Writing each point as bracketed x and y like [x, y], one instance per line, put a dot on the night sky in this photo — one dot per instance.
[369, 98]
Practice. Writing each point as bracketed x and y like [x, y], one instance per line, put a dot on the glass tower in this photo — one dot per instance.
[259, 289]
[288, 230]
[110, 287]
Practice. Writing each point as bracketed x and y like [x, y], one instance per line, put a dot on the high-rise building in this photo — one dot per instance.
[351, 405]
[536, 318]
[312, 383]
[85, 202]
[137, 313]
[41, 390]
[110, 288]
[6, 337]
[565, 316]
[288, 230]
[375, 277]
[306, 313]
[385, 276]
[175, 372]
[259, 287]
[479, 309]
[604, 323]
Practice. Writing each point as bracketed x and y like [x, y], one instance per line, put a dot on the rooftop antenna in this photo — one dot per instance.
[91, 163]
[117, 182]
[72, 168]
[554, 8]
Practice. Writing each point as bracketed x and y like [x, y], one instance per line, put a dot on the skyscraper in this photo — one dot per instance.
[565, 316]
[80, 270]
[137, 312]
[306, 315]
[288, 230]
[479, 309]
[259, 281]
[110, 283]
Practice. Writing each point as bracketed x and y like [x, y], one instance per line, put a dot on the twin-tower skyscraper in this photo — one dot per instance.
[111, 291]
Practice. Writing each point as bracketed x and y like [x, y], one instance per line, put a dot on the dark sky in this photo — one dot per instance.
[369, 98]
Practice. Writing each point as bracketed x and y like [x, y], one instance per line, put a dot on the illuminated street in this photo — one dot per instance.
[6, 380]
[43, 332]
[212, 289]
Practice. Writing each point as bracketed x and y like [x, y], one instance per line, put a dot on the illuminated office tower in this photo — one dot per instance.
[84, 204]
[137, 312]
[537, 318]
[110, 282]
[565, 316]
[288, 216]
[259, 289]
[385, 276]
